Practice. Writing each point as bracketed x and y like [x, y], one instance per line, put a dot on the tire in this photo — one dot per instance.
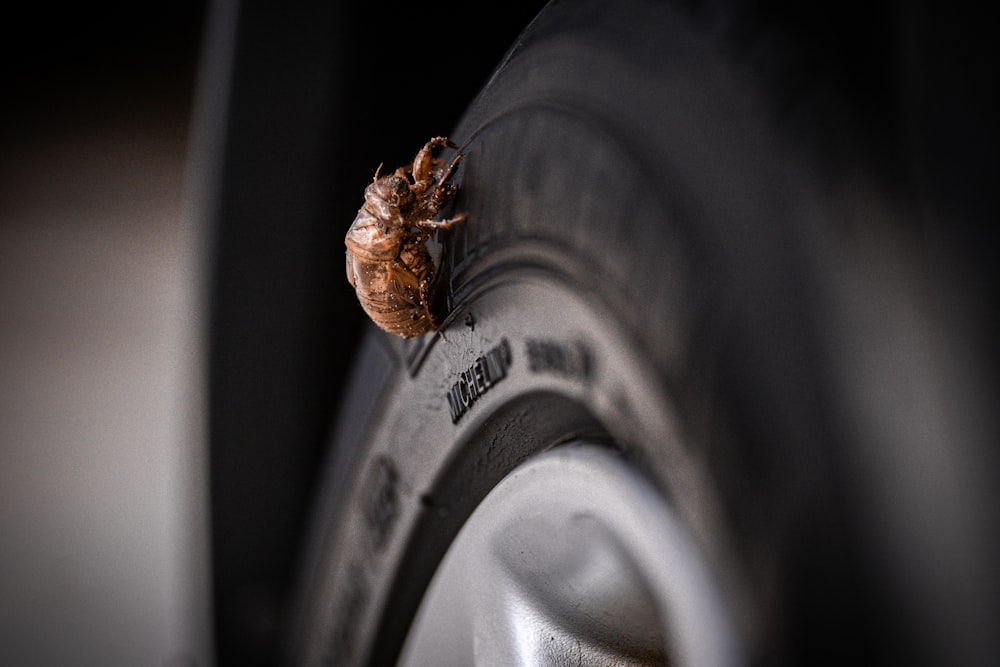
[656, 282]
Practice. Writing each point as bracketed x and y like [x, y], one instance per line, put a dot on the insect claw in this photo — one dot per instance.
[434, 225]
[377, 171]
[451, 222]
[451, 168]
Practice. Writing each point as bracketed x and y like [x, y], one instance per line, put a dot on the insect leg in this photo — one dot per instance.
[433, 225]
[423, 163]
[451, 169]
[443, 190]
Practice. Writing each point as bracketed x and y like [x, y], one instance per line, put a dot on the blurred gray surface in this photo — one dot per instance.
[103, 535]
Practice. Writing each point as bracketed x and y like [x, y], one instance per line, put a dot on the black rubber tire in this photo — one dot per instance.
[651, 262]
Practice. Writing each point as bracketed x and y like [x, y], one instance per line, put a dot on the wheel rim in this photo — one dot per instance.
[572, 559]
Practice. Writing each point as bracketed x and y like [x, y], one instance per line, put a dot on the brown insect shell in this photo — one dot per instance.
[386, 264]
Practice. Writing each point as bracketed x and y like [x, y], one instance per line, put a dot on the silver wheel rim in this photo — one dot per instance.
[572, 559]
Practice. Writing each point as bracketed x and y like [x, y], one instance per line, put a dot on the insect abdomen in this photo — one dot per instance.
[405, 322]
[390, 295]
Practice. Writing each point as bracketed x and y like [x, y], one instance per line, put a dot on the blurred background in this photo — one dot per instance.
[175, 182]
[103, 523]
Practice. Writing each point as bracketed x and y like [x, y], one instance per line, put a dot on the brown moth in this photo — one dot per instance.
[388, 263]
